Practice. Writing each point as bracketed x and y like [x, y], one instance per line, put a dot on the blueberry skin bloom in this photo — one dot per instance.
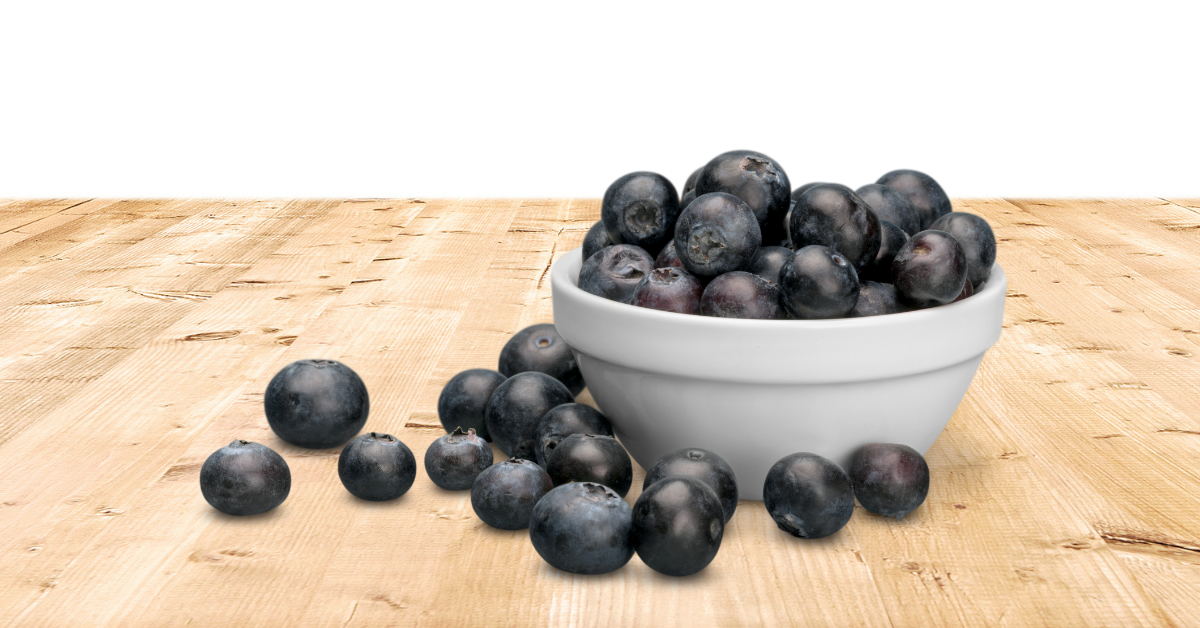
[808, 496]
[614, 271]
[455, 460]
[925, 194]
[596, 239]
[975, 236]
[875, 299]
[832, 215]
[891, 205]
[245, 478]
[504, 495]
[540, 348]
[316, 403]
[562, 421]
[669, 290]
[377, 467]
[703, 465]
[591, 458]
[678, 524]
[769, 261]
[929, 270]
[583, 528]
[716, 234]
[739, 294]
[668, 258]
[464, 398]
[517, 406]
[640, 208]
[818, 282]
[889, 479]
[756, 179]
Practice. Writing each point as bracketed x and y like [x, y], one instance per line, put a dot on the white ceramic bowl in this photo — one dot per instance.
[754, 391]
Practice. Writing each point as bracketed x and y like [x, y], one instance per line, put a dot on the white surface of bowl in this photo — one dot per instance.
[754, 391]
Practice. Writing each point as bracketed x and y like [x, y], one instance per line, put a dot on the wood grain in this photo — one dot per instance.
[138, 336]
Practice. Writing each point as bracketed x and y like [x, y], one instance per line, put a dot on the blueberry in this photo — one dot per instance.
[640, 208]
[540, 348]
[670, 290]
[583, 528]
[756, 179]
[668, 258]
[808, 496]
[596, 239]
[875, 299]
[245, 478]
[703, 465]
[891, 205]
[505, 493]
[562, 421]
[377, 467]
[966, 292]
[975, 236]
[591, 458]
[889, 479]
[716, 234]
[818, 282]
[456, 459]
[739, 294]
[798, 192]
[690, 184]
[787, 220]
[464, 397]
[832, 215]
[514, 410]
[880, 269]
[929, 270]
[768, 262]
[687, 199]
[614, 271]
[926, 195]
[678, 524]
[316, 403]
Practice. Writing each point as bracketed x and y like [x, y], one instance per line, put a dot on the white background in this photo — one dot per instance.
[504, 99]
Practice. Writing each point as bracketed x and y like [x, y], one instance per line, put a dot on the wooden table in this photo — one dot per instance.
[138, 337]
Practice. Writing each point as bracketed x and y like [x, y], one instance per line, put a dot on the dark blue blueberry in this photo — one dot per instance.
[377, 467]
[703, 465]
[875, 299]
[583, 528]
[787, 220]
[504, 494]
[640, 208]
[832, 215]
[562, 421]
[929, 270]
[891, 206]
[690, 184]
[245, 478]
[514, 410]
[978, 241]
[678, 524]
[818, 282]
[614, 271]
[808, 496]
[687, 199]
[591, 458]
[739, 294]
[892, 239]
[596, 239]
[456, 459]
[540, 348]
[316, 403]
[669, 290]
[798, 192]
[927, 197]
[716, 234]
[756, 179]
[889, 479]
[769, 261]
[464, 397]
[668, 258]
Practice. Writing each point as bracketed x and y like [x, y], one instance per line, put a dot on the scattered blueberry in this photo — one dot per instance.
[316, 403]
[591, 458]
[583, 528]
[562, 421]
[808, 496]
[889, 479]
[832, 215]
[978, 241]
[454, 460]
[614, 271]
[818, 282]
[739, 294]
[926, 195]
[875, 299]
[929, 270]
[377, 467]
[670, 290]
[678, 524]
[540, 348]
[515, 408]
[245, 478]
[640, 208]
[768, 262]
[596, 239]
[716, 234]
[891, 205]
[757, 180]
[464, 397]
[505, 493]
[703, 465]
[892, 238]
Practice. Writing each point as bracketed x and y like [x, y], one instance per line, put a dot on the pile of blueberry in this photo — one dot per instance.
[741, 244]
